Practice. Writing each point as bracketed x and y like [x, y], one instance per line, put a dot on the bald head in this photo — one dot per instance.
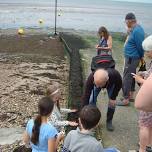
[100, 77]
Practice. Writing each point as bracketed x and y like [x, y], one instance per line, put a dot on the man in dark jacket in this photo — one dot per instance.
[109, 79]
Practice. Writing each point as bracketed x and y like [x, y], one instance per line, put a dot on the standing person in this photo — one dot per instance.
[144, 94]
[109, 79]
[82, 140]
[56, 118]
[105, 42]
[40, 133]
[133, 53]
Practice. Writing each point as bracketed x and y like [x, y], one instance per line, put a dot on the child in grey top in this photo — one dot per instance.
[79, 141]
[82, 140]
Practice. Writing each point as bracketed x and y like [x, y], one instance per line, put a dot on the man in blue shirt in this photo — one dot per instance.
[133, 53]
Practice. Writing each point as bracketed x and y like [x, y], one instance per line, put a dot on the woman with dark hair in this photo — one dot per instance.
[105, 42]
[40, 133]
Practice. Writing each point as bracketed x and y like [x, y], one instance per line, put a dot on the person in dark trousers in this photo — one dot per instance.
[109, 79]
[133, 53]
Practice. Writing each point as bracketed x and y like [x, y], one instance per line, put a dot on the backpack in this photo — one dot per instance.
[103, 61]
[142, 68]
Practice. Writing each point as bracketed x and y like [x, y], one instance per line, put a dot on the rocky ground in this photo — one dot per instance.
[36, 61]
[28, 64]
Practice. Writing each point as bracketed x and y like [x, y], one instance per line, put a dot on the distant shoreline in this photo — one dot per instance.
[49, 2]
[85, 15]
[50, 31]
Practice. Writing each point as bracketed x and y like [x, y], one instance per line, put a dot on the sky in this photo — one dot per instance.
[141, 1]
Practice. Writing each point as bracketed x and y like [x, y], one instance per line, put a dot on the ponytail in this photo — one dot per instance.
[45, 107]
[36, 130]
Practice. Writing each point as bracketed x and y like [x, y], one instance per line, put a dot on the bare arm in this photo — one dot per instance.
[144, 97]
[56, 122]
[51, 145]
[65, 110]
[138, 79]
[109, 42]
[26, 138]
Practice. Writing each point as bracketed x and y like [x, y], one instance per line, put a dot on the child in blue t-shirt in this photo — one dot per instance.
[41, 134]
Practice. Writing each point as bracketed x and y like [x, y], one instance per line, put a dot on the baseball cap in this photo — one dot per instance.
[130, 16]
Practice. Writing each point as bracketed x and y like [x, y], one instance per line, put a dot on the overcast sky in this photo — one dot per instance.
[142, 1]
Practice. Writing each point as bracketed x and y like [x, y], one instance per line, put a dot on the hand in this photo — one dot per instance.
[96, 46]
[142, 61]
[74, 110]
[72, 123]
[138, 79]
[112, 103]
[99, 47]
[61, 135]
[140, 73]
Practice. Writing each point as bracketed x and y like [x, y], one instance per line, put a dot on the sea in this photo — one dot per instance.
[73, 14]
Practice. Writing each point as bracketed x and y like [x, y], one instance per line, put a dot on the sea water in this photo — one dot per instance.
[73, 14]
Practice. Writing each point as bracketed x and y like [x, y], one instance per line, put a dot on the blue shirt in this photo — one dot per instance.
[47, 131]
[133, 47]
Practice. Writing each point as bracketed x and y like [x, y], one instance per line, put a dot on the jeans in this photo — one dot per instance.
[111, 150]
[95, 92]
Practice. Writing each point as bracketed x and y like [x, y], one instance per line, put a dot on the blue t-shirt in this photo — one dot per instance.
[47, 131]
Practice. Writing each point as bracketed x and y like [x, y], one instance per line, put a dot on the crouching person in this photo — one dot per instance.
[82, 139]
[109, 79]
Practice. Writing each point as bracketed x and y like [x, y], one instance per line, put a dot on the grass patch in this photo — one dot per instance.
[91, 41]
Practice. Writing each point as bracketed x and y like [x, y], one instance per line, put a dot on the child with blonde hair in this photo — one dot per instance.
[56, 120]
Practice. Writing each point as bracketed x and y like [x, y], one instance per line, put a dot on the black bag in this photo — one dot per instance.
[142, 67]
[104, 61]
[22, 148]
